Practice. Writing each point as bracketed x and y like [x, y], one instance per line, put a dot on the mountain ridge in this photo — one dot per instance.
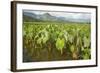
[48, 17]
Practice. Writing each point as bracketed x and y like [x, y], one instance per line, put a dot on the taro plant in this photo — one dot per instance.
[73, 40]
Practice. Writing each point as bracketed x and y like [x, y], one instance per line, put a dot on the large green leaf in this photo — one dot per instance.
[60, 44]
[72, 48]
[86, 42]
[66, 35]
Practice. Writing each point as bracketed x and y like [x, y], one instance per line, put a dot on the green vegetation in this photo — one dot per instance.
[51, 41]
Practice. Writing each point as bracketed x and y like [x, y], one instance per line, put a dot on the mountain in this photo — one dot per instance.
[48, 17]
[29, 14]
[29, 17]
